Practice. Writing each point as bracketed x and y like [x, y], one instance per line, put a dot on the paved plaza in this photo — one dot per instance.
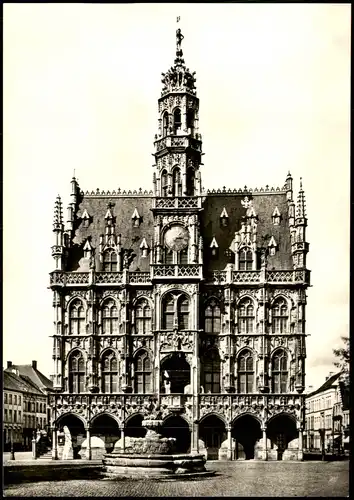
[243, 478]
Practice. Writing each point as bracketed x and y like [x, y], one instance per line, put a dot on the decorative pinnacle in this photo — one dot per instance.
[58, 212]
[301, 204]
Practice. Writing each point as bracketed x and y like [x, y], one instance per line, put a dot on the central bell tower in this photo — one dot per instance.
[178, 144]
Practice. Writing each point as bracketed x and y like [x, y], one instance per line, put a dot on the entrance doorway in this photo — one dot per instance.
[178, 428]
[212, 431]
[281, 430]
[246, 431]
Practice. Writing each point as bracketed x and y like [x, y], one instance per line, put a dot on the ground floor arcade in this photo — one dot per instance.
[245, 438]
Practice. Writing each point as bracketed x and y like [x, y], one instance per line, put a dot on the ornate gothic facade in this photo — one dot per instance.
[190, 299]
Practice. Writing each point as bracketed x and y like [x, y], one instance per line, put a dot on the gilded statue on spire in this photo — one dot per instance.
[179, 38]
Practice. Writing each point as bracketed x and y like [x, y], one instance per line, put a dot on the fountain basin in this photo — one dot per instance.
[118, 465]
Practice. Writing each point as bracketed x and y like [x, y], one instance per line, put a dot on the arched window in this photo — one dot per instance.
[279, 372]
[183, 313]
[143, 317]
[190, 121]
[280, 316]
[177, 124]
[212, 317]
[143, 371]
[168, 312]
[76, 373]
[164, 183]
[211, 368]
[245, 372]
[167, 255]
[182, 256]
[245, 260]
[109, 317]
[246, 316]
[110, 260]
[177, 182]
[165, 124]
[109, 367]
[77, 318]
[175, 310]
[190, 181]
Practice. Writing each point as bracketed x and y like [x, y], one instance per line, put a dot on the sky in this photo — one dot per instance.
[80, 86]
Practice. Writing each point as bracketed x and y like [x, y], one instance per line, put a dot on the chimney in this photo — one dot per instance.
[34, 365]
[9, 364]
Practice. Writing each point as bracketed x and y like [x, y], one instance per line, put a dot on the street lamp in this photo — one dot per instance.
[322, 432]
[12, 453]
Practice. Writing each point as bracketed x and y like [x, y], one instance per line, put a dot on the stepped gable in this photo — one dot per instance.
[263, 205]
[122, 208]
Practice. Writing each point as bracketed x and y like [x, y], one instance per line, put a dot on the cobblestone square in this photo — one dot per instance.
[243, 478]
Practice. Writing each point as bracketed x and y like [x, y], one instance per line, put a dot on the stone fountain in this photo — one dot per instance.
[152, 456]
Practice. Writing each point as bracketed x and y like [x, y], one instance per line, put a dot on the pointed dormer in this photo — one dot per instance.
[178, 145]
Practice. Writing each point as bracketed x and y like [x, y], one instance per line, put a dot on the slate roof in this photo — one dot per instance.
[329, 383]
[13, 382]
[33, 376]
[132, 237]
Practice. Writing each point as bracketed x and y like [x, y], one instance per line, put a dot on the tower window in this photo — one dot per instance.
[165, 124]
[211, 368]
[183, 313]
[143, 317]
[246, 316]
[142, 373]
[177, 183]
[110, 260]
[212, 317]
[177, 124]
[164, 183]
[175, 311]
[279, 372]
[245, 372]
[245, 260]
[110, 317]
[280, 316]
[190, 121]
[190, 181]
[76, 373]
[77, 318]
[109, 372]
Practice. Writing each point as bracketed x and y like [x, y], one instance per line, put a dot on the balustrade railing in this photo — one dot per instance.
[108, 277]
[246, 276]
[177, 202]
[139, 277]
[176, 271]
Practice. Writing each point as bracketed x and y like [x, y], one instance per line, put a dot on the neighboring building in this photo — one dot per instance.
[24, 410]
[327, 408]
[31, 413]
[39, 379]
[190, 299]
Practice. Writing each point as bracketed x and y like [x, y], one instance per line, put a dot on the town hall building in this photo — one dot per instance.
[189, 299]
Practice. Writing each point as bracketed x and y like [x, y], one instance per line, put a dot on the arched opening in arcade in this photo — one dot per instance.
[105, 428]
[71, 434]
[212, 432]
[175, 374]
[247, 433]
[283, 437]
[134, 427]
[177, 427]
